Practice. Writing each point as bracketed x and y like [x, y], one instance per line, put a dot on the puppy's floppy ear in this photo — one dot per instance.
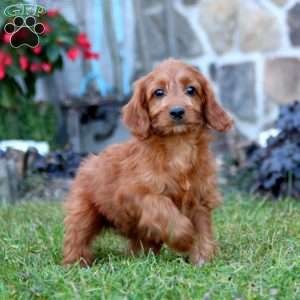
[215, 116]
[135, 113]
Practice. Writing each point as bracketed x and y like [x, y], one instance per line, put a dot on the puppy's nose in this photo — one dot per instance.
[177, 113]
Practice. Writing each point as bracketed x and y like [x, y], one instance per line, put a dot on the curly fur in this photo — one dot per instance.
[160, 186]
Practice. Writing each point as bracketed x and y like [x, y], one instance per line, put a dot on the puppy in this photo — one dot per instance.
[160, 186]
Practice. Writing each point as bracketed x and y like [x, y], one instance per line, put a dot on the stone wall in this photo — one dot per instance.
[248, 48]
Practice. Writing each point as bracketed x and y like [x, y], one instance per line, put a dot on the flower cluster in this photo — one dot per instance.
[5, 60]
[82, 45]
[27, 63]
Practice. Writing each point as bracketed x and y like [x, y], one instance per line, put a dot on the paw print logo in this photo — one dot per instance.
[24, 32]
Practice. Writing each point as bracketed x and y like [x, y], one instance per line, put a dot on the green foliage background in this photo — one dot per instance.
[20, 116]
[29, 120]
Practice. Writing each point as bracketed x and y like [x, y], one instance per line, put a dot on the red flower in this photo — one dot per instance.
[35, 67]
[37, 50]
[5, 60]
[83, 41]
[53, 12]
[47, 28]
[2, 72]
[90, 55]
[73, 53]
[24, 63]
[46, 67]
[6, 38]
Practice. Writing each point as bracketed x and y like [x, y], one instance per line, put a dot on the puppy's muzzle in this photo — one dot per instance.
[177, 113]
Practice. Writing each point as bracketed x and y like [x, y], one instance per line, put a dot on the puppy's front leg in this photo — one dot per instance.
[159, 220]
[205, 247]
[162, 221]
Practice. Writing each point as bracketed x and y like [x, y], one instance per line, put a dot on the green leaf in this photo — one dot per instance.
[15, 71]
[53, 52]
[6, 97]
[10, 93]
[67, 40]
[30, 81]
[59, 63]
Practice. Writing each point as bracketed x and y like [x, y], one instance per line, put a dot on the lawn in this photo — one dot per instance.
[259, 258]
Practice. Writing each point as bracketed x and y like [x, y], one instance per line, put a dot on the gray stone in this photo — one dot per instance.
[154, 19]
[294, 24]
[18, 157]
[282, 80]
[219, 19]
[212, 71]
[188, 44]
[90, 130]
[151, 4]
[39, 188]
[259, 29]
[8, 181]
[191, 2]
[280, 2]
[237, 89]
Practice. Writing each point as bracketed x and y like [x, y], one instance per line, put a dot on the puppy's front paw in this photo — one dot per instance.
[200, 262]
[201, 255]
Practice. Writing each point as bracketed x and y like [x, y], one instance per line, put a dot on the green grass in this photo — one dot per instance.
[259, 258]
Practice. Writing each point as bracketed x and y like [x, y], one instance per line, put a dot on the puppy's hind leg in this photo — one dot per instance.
[82, 224]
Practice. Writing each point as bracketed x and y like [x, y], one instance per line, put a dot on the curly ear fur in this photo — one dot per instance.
[215, 116]
[135, 113]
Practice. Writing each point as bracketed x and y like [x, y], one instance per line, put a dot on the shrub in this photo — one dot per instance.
[28, 120]
[24, 65]
[62, 163]
[21, 67]
[275, 169]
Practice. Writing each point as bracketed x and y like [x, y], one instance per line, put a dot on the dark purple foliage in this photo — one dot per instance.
[276, 167]
[58, 164]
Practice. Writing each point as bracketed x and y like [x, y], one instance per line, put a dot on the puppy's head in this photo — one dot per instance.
[174, 98]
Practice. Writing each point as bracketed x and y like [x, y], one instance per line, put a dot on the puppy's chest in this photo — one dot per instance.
[175, 175]
[181, 160]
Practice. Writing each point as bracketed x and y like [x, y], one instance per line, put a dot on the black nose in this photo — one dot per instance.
[177, 113]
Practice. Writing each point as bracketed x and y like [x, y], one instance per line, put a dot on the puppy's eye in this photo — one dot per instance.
[159, 93]
[190, 90]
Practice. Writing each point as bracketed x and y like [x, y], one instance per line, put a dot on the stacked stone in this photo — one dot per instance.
[249, 48]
